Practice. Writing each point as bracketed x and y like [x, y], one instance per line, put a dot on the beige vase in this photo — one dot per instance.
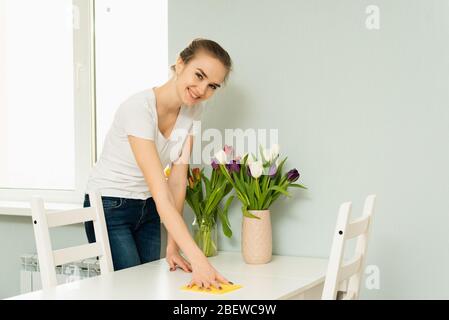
[257, 237]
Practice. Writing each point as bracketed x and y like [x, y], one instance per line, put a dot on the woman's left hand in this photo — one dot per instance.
[174, 259]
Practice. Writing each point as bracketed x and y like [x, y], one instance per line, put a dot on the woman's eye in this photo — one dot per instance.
[199, 76]
[213, 87]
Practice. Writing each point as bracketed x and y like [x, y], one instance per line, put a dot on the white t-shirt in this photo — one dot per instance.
[116, 172]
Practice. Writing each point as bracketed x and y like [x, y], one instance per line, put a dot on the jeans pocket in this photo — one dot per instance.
[112, 202]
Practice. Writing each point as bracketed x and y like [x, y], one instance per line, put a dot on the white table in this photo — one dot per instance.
[285, 277]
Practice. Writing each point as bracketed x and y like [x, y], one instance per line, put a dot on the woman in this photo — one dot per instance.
[130, 171]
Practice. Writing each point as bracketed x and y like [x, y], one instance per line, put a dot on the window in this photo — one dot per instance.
[131, 49]
[45, 99]
[60, 86]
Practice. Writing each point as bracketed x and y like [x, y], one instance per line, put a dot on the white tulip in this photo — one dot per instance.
[250, 159]
[221, 157]
[266, 154]
[256, 169]
[270, 154]
[278, 162]
[274, 151]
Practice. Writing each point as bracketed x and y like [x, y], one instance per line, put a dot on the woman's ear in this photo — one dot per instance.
[179, 65]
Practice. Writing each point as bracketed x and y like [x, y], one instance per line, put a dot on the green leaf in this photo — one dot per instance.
[223, 214]
[228, 188]
[247, 214]
[207, 184]
[297, 185]
[278, 189]
[267, 203]
[274, 198]
[237, 181]
[195, 198]
[265, 181]
[263, 198]
[243, 198]
[258, 194]
[212, 199]
[241, 188]
[225, 226]
[250, 192]
[189, 202]
[261, 154]
[227, 204]
[246, 177]
[279, 173]
[218, 197]
[257, 187]
[228, 177]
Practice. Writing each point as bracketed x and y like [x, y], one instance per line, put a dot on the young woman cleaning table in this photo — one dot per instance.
[152, 131]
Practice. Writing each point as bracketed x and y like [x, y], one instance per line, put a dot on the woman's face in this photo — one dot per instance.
[198, 80]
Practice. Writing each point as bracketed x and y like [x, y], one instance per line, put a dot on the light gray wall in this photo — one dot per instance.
[358, 112]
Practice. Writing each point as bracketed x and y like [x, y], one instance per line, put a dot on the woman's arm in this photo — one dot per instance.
[172, 253]
[177, 183]
[178, 193]
[147, 158]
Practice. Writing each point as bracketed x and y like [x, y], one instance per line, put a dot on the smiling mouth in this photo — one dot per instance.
[192, 95]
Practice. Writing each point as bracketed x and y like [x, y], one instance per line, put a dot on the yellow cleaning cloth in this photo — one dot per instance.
[225, 288]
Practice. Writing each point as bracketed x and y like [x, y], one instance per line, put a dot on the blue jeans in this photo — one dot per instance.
[134, 230]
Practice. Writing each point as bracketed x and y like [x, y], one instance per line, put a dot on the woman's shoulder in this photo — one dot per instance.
[138, 103]
[141, 98]
[136, 116]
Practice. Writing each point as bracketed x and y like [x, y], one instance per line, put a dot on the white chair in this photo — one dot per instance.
[49, 259]
[345, 277]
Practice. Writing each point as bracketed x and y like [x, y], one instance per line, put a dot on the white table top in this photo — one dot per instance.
[283, 277]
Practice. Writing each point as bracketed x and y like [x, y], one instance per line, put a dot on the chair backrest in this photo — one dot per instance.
[49, 259]
[342, 275]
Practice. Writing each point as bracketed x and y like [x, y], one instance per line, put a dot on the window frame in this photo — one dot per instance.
[84, 113]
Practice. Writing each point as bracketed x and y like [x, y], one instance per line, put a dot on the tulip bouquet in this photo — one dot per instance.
[204, 195]
[258, 181]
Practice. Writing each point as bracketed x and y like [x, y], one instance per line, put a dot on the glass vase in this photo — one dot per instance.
[206, 237]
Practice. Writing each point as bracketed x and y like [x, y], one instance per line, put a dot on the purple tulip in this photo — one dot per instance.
[215, 165]
[272, 171]
[293, 175]
[234, 166]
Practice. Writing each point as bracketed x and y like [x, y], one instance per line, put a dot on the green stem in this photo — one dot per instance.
[205, 241]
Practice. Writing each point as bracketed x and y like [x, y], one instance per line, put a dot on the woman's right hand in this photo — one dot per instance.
[204, 275]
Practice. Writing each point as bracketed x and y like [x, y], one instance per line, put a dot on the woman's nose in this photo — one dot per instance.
[203, 89]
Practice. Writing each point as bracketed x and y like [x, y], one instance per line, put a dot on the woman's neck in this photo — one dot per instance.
[167, 100]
